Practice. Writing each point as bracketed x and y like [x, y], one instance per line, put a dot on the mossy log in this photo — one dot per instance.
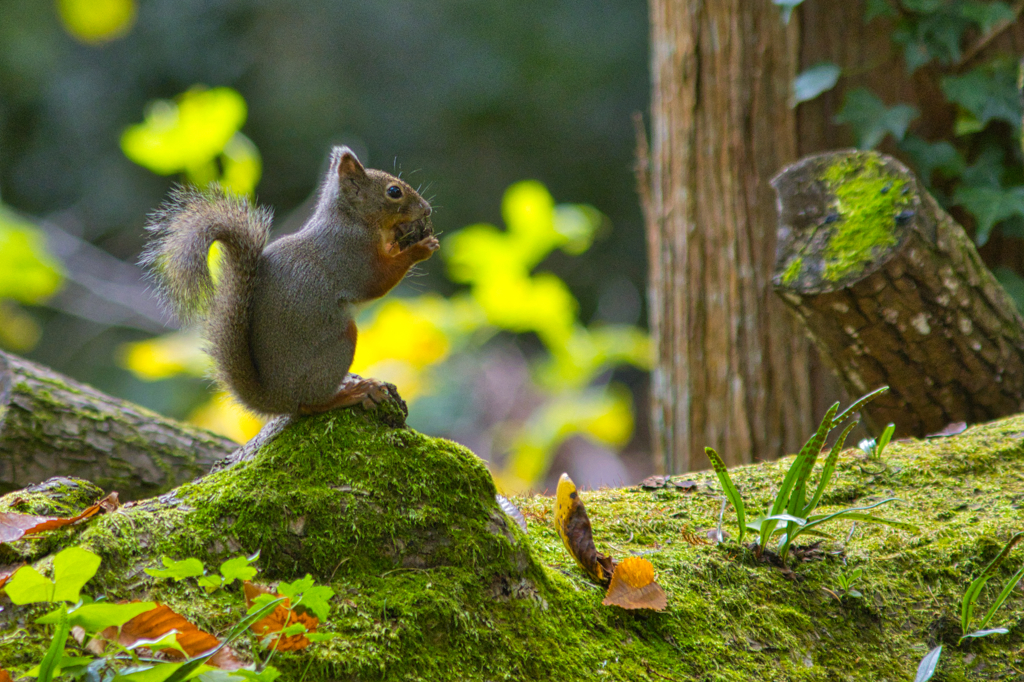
[51, 425]
[433, 582]
[893, 292]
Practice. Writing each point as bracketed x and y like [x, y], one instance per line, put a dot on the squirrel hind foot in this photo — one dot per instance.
[355, 390]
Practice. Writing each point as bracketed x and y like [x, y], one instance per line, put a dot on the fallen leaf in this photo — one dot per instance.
[4, 676]
[281, 618]
[633, 587]
[573, 527]
[950, 430]
[14, 526]
[157, 623]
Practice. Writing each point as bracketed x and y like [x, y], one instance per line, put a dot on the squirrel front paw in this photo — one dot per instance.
[423, 249]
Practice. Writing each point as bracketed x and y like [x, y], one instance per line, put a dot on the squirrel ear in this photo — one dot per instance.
[347, 163]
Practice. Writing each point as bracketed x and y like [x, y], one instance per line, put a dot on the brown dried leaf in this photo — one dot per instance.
[281, 617]
[573, 527]
[13, 526]
[4, 676]
[156, 623]
[633, 587]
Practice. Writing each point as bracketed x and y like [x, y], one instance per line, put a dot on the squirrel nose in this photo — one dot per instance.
[427, 210]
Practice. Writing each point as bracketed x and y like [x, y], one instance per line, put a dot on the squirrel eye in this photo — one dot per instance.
[395, 192]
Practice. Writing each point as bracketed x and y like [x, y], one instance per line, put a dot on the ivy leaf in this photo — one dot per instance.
[987, 169]
[818, 79]
[987, 94]
[929, 157]
[989, 205]
[933, 32]
[871, 120]
[986, 14]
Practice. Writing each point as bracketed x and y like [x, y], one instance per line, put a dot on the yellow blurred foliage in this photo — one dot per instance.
[221, 414]
[401, 340]
[28, 274]
[188, 134]
[602, 413]
[97, 21]
[165, 356]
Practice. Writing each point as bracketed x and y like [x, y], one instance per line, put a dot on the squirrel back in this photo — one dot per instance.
[278, 321]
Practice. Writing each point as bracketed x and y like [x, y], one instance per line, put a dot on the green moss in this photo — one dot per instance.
[432, 583]
[868, 199]
[792, 270]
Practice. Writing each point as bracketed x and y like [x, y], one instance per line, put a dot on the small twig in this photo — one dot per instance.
[997, 28]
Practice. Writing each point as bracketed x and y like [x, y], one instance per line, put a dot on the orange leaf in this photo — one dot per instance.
[4, 676]
[633, 586]
[281, 617]
[14, 526]
[573, 527]
[155, 623]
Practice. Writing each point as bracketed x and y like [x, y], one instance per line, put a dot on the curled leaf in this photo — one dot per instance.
[633, 586]
[279, 626]
[13, 526]
[573, 527]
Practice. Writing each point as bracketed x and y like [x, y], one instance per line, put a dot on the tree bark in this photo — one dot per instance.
[893, 292]
[731, 372]
[51, 425]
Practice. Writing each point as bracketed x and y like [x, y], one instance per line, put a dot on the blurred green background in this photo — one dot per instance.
[464, 99]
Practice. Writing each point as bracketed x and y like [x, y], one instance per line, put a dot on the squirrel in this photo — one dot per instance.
[279, 321]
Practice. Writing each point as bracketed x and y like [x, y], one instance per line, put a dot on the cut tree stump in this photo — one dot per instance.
[893, 292]
[51, 425]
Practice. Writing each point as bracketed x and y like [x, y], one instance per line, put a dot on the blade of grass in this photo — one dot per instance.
[51, 661]
[799, 470]
[861, 402]
[730, 490]
[971, 595]
[1007, 589]
[828, 469]
[926, 668]
[851, 514]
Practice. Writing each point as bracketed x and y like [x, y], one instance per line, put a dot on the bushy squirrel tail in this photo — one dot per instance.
[178, 258]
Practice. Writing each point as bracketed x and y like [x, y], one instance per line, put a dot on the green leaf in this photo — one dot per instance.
[828, 469]
[974, 589]
[871, 120]
[851, 514]
[1007, 589]
[987, 94]
[239, 568]
[985, 633]
[99, 616]
[926, 668]
[29, 586]
[1012, 282]
[731, 493]
[309, 595]
[211, 582]
[50, 665]
[177, 570]
[989, 205]
[812, 82]
[929, 157]
[877, 8]
[884, 439]
[986, 14]
[72, 569]
[859, 403]
[268, 674]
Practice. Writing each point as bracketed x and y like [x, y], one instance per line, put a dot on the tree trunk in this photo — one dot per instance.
[51, 425]
[893, 292]
[731, 370]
